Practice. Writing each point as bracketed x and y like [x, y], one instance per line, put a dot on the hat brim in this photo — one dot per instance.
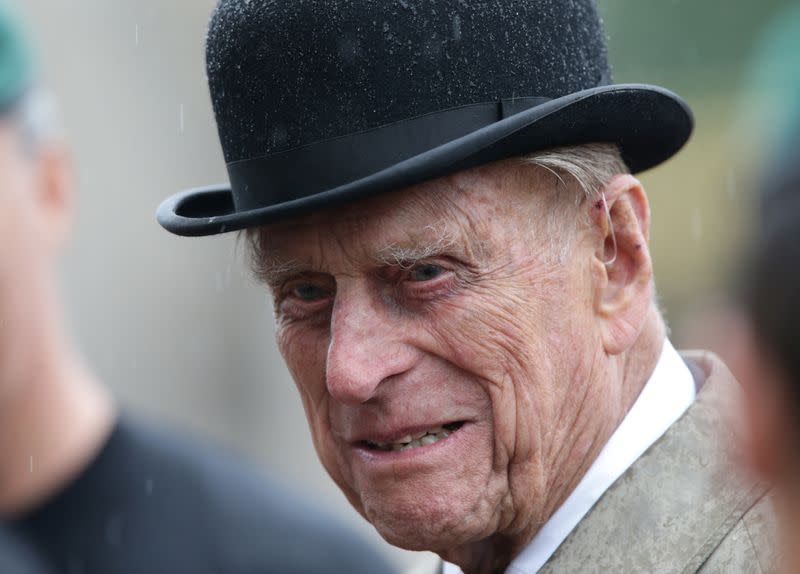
[648, 123]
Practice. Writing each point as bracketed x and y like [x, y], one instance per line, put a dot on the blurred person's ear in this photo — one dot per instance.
[53, 179]
[768, 442]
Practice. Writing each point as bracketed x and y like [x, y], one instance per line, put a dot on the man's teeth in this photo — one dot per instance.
[413, 440]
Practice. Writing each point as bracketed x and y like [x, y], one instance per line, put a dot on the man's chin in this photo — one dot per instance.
[422, 523]
[429, 538]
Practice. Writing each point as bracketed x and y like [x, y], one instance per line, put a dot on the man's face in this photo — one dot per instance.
[443, 352]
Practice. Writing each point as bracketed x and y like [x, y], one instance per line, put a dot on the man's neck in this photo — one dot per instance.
[51, 427]
[641, 360]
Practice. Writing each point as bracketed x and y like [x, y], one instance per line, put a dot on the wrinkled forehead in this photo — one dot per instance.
[458, 211]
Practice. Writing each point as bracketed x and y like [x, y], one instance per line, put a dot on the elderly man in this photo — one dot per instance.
[81, 488]
[439, 197]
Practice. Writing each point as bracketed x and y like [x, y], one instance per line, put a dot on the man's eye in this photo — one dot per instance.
[309, 292]
[425, 272]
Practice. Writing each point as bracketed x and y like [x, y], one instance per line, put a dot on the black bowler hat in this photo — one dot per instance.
[321, 102]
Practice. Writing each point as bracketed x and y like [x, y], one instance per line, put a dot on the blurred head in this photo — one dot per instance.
[767, 356]
[459, 345]
[34, 207]
[765, 351]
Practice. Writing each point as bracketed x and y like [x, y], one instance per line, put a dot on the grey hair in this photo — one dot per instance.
[590, 166]
[37, 120]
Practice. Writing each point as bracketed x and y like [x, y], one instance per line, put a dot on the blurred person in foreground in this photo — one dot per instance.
[763, 343]
[440, 198]
[83, 489]
[766, 354]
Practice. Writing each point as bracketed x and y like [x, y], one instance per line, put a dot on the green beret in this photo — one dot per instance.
[16, 61]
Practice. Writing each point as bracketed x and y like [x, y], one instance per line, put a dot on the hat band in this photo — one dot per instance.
[317, 167]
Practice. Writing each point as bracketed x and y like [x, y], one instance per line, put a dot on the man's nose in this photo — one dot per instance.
[366, 348]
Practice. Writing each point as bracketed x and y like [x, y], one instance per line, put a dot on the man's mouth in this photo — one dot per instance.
[418, 439]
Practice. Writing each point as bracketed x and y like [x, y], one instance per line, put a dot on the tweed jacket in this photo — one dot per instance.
[682, 507]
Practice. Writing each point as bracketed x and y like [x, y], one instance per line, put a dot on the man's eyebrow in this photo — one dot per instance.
[407, 254]
[273, 270]
[431, 243]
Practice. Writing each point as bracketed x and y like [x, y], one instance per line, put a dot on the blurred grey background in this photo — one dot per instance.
[176, 327]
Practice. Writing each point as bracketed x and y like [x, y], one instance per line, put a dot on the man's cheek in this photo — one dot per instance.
[306, 361]
[501, 349]
[332, 451]
[305, 354]
[489, 340]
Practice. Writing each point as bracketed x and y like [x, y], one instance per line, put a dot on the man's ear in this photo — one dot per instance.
[55, 188]
[621, 264]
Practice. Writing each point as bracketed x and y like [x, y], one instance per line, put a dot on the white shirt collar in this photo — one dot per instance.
[666, 396]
